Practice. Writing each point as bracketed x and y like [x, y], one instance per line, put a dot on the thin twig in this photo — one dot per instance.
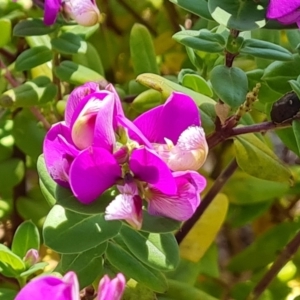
[290, 249]
[209, 197]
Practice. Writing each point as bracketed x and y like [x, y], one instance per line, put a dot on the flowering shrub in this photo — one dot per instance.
[155, 143]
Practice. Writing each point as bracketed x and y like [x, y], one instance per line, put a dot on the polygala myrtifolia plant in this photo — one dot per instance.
[154, 156]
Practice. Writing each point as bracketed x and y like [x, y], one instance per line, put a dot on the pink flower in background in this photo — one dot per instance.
[84, 12]
[284, 11]
[111, 289]
[50, 287]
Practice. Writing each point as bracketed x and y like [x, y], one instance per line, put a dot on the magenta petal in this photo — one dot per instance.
[52, 8]
[111, 289]
[148, 167]
[104, 135]
[134, 132]
[148, 125]
[182, 205]
[51, 288]
[76, 96]
[290, 18]
[93, 171]
[93, 98]
[118, 104]
[59, 153]
[169, 120]
[279, 8]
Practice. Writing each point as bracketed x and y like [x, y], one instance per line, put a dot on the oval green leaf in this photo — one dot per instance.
[69, 43]
[133, 268]
[68, 232]
[257, 159]
[76, 74]
[26, 237]
[264, 49]
[202, 40]
[230, 84]
[33, 57]
[239, 15]
[32, 27]
[159, 251]
[142, 50]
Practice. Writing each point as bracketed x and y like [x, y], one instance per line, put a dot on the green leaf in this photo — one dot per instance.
[35, 209]
[257, 255]
[32, 27]
[87, 265]
[159, 251]
[287, 136]
[26, 129]
[34, 269]
[296, 130]
[202, 40]
[69, 43]
[240, 215]
[83, 31]
[38, 91]
[257, 159]
[47, 184]
[7, 294]
[66, 199]
[293, 36]
[158, 224]
[230, 84]
[146, 100]
[76, 74]
[12, 171]
[26, 237]
[166, 87]
[142, 50]
[278, 74]
[11, 265]
[6, 31]
[203, 233]
[133, 268]
[197, 84]
[264, 49]
[69, 232]
[243, 189]
[33, 57]
[199, 8]
[179, 290]
[91, 59]
[239, 15]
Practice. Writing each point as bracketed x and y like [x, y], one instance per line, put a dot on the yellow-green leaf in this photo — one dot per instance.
[201, 236]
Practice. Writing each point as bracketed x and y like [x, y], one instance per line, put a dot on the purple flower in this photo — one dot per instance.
[83, 153]
[284, 11]
[49, 287]
[78, 152]
[111, 289]
[51, 11]
[174, 130]
[84, 12]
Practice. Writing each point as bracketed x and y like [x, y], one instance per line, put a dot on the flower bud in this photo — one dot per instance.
[84, 12]
[31, 257]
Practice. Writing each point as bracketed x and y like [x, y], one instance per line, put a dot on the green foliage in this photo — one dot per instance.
[233, 67]
[62, 228]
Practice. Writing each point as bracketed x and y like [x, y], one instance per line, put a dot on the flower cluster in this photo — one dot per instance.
[284, 11]
[50, 287]
[84, 12]
[155, 157]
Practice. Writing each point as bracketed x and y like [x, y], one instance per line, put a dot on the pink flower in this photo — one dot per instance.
[50, 287]
[284, 11]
